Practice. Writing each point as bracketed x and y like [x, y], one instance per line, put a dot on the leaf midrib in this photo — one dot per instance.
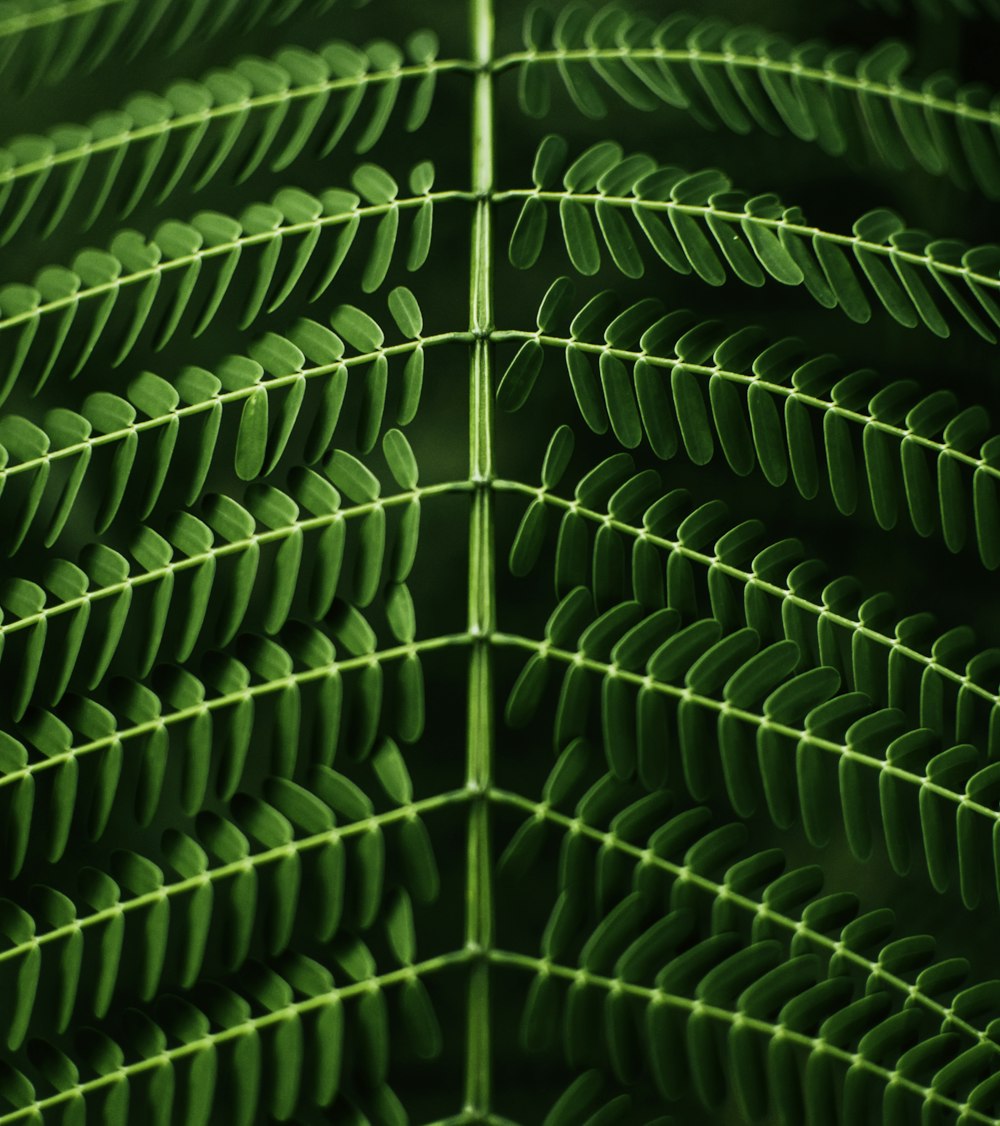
[269, 535]
[754, 719]
[252, 860]
[245, 1028]
[223, 248]
[747, 577]
[54, 13]
[925, 261]
[269, 384]
[727, 1016]
[230, 109]
[230, 699]
[751, 906]
[859, 86]
[825, 405]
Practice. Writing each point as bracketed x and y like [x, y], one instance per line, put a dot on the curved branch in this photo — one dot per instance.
[732, 1018]
[752, 907]
[962, 680]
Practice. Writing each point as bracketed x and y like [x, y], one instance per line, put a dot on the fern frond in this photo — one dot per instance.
[773, 406]
[61, 770]
[249, 872]
[261, 111]
[746, 78]
[722, 1016]
[241, 1052]
[46, 41]
[678, 858]
[117, 292]
[786, 738]
[214, 698]
[201, 547]
[272, 386]
[755, 238]
[720, 568]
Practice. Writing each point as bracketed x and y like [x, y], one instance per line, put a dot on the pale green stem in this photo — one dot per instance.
[827, 406]
[482, 612]
[702, 211]
[252, 862]
[860, 87]
[232, 699]
[235, 547]
[225, 397]
[221, 112]
[54, 13]
[224, 248]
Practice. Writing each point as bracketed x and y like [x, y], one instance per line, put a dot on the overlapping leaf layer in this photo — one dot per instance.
[349, 771]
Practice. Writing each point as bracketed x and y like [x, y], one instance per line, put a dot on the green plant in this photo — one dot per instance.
[238, 785]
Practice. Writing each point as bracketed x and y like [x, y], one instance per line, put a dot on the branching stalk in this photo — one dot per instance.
[479, 893]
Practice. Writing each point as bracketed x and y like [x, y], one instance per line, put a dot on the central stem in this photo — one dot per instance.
[482, 615]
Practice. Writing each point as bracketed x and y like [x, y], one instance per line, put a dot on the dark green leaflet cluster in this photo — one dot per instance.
[748, 79]
[716, 567]
[246, 562]
[259, 1049]
[239, 879]
[230, 765]
[760, 680]
[260, 113]
[47, 41]
[246, 871]
[664, 928]
[680, 383]
[289, 1025]
[118, 708]
[586, 1101]
[179, 279]
[283, 383]
[293, 1030]
[787, 740]
[628, 842]
[767, 626]
[63, 771]
[697, 224]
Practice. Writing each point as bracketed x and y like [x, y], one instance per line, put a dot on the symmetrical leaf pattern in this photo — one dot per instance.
[611, 836]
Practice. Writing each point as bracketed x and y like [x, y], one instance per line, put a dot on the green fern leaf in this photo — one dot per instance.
[273, 715]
